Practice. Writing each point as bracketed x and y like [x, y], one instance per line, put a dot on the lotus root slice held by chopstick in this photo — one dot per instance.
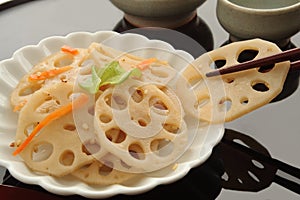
[244, 91]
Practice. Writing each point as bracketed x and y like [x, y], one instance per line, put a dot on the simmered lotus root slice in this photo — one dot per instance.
[100, 54]
[245, 91]
[57, 149]
[142, 124]
[26, 88]
[101, 174]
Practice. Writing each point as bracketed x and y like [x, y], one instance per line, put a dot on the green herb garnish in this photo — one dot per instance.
[112, 74]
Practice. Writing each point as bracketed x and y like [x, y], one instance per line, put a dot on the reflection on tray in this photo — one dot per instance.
[250, 167]
[196, 30]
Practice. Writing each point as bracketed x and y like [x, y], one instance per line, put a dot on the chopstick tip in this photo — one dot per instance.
[213, 73]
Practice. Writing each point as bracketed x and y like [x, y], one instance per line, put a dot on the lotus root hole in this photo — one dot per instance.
[266, 69]
[86, 67]
[260, 86]
[67, 158]
[107, 100]
[136, 151]
[104, 118]
[106, 168]
[158, 104]
[247, 55]
[244, 101]
[257, 164]
[125, 165]
[142, 122]
[49, 105]
[163, 88]
[71, 95]
[217, 64]
[253, 176]
[171, 128]
[90, 147]
[197, 80]
[70, 127]
[64, 60]
[91, 110]
[115, 135]
[29, 128]
[85, 169]
[118, 102]
[229, 80]
[137, 95]
[225, 177]
[41, 152]
[30, 89]
[225, 102]
[162, 147]
[201, 102]
[241, 142]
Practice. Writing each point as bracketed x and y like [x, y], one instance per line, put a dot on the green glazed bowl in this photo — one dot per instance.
[274, 20]
[165, 13]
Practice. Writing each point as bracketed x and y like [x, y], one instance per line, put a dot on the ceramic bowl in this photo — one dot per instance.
[273, 20]
[163, 13]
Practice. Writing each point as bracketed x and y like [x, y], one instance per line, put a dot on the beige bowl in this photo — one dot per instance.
[274, 20]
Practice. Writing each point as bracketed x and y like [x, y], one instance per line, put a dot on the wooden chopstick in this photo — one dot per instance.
[289, 55]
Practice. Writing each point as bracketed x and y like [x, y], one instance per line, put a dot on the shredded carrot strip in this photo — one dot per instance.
[48, 74]
[78, 102]
[146, 63]
[20, 106]
[104, 87]
[68, 49]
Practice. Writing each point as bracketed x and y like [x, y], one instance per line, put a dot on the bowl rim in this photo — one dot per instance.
[262, 11]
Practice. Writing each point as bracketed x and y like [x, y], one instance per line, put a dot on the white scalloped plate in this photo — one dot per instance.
[11, 70]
